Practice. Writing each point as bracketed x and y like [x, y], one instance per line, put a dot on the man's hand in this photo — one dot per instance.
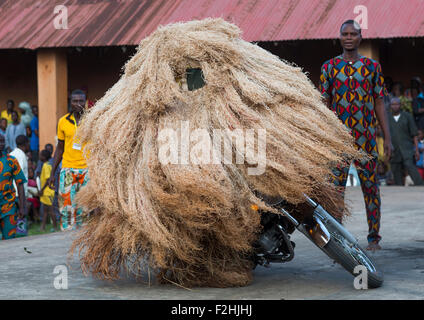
[417, 155]
[388, 149]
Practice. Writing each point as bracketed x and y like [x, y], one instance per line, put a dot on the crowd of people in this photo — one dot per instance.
[49, 184]
[405, 110]
[36, 187]
[19, 131]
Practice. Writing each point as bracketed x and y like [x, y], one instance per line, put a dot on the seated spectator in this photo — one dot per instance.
[46, 193]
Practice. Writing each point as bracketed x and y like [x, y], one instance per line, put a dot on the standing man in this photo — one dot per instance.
[10, 171]
[73, 174]
[353, 87]
[15, 129]
[22, 147]
[7, 114]
[34, 140]
[405, 140]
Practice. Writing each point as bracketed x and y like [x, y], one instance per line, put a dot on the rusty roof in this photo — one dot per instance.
[30, 23]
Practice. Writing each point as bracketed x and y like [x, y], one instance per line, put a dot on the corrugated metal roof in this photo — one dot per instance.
[29, 23]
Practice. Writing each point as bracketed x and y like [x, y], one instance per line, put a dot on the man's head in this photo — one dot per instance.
[49, 147]
[78, 98]
[45, 155]
[395, 105]
[15, 117]
[22, 143]
[3, 124]
[10, 105]
[34, 110]
[350, 35]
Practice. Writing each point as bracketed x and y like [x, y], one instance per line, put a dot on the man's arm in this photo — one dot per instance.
[382, 120]
[22, 200]
[324, 85]
[417, 150]
[56, 160]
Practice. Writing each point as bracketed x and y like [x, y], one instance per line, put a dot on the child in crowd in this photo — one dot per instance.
[3, 126]
[28, 132]
[33, 195]
[48, 147]
[46, 192]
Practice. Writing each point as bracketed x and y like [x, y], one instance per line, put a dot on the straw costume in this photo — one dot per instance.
[192, 224]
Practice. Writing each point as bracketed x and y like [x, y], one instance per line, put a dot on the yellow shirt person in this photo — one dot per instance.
[8, 117]
[73, 156]
[74, 174]
[48, 193]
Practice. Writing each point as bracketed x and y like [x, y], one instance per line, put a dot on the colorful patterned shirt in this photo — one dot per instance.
[352, 87]
[9, 171]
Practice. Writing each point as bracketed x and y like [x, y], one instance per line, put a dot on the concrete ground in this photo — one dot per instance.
[311, 275]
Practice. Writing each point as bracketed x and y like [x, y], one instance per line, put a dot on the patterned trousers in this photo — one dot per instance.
[8, 226]
[370, 189]
[70, 181]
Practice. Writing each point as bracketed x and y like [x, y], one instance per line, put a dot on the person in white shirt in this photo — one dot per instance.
[22, 147]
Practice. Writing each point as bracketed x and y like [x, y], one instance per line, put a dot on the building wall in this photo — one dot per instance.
[99, 68]
[96, 68]
[18, 77]
[400, 59]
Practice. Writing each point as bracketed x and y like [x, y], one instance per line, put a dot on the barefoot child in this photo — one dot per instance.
[47, 193]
